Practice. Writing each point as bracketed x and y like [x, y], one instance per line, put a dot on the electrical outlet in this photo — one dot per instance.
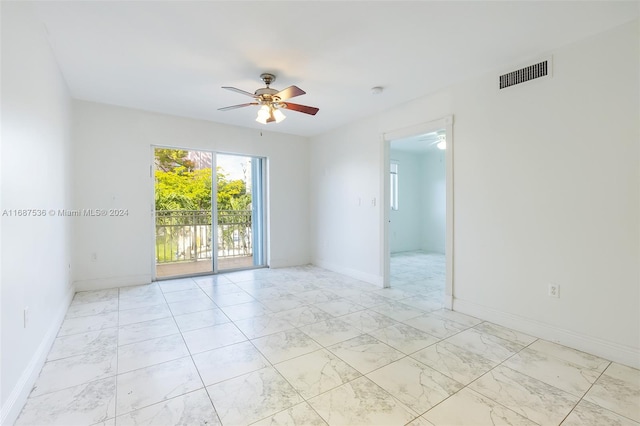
[25, 316]
[554, 290]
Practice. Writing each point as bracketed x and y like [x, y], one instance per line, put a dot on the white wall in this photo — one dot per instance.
[112, 159]
[406, 228]
[420, 222]
[546, 189]
[35, 165]
[434, 200]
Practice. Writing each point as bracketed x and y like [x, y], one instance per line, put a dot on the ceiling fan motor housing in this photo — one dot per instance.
[272, 98]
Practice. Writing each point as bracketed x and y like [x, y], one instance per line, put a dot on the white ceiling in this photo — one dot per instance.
[174, 56]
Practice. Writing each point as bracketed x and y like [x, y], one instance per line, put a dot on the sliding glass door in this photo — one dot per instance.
[188, 202]
[239, 212]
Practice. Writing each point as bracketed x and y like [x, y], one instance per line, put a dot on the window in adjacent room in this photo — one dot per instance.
[394, 185]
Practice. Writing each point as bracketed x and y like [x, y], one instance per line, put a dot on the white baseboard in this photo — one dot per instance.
[611, 351]
[13, 405]
[359, 275]
[111, 282]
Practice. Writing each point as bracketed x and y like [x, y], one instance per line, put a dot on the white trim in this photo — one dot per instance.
[386, 137]
[622, 354]
[18, 396]
[359, 275]
[152, 207]
[214, 212]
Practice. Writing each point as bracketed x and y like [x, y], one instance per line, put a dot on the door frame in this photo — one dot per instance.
[445, 123]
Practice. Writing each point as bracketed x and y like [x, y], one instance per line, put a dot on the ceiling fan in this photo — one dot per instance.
[271, 101]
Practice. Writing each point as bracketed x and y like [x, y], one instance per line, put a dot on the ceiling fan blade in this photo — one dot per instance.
[237, 106]
[233, 89]
[301, 108]
[290, 92]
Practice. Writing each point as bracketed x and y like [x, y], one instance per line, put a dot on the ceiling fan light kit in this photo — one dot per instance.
[271, 101]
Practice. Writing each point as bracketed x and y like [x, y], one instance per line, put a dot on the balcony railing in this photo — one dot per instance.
[186, 235]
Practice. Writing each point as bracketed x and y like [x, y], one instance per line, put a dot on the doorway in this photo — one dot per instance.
[190, 198]
[418, 212]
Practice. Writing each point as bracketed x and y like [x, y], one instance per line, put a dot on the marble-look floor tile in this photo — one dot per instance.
[301, 414]
[147, 313]
[95, 296]
[303, 315]
[245, 310]
[185, 295]
[93, 308]
[214, 290]
[150, 352]
[339, 307]
[393, 293]
[618, 390]
[368, 320]
[267, 293]
[486, 345]
[361, 402]
[285, 345]
[462, 319]
[282, 303]
[230, 299]
[366, 299]
[250, 285]
[300, 287]
[190, 306]
[397, 311]
[89, 323]
[252, 397]
[331, 331]
[200, 319]
[75, 370]
[316, 372]
[588, 414]
[505, 333]
[218, 279]
[193, 408]
[435, 325]
[470, 408]
[140, 331]
[404, 338]
[573, 356]
[529, 397]
[420, 421]
[562, 374]
[316, 296]
[109, 422]
[229, 361]
[133, 302]
[216, 336]
[424, 304]
[171, 286]
[365, 353]
[77, 344]
[150, 385]
[145, 290]
[263, 326]
[415, 384]
[84, 404]
[452, 361]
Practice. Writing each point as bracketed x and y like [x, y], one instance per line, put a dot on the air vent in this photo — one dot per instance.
[541, 69]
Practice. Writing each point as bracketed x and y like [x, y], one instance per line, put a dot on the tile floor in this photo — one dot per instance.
[306, 346]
